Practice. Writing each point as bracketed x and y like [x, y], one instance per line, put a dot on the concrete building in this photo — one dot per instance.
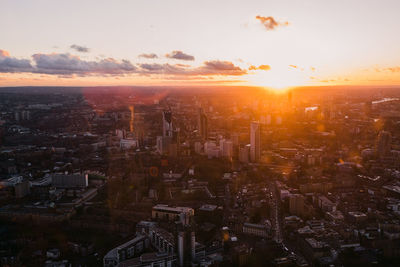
[255, 229]
[69, 180]
[22, 189]
[383, 144]
[325, 204]
[198, 147]
[313, 249]
[151, 259]
[255, 142]
[202, 124]
[163, 144]
[167, 123]
[126, 251]
[296, 205]
[181, 214]
[212, 150]
[128, 143]
[244, 154]
[162, 240]
[227, 149]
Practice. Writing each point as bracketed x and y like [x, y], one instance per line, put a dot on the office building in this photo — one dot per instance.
[165, 212]
[202, 124]
[128, 250]
[296, 204]
[244, 153]
[167, 124]
[255, 229]
[128, 143]
[255, 142]
[383, 144]
[69, 180]
[227, 149]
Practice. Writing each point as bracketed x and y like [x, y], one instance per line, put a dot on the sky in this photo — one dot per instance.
[271, 43]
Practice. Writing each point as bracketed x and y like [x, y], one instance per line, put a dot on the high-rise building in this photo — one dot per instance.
[198, 147]
[383, 144]
[235, 139]
[187, 249]
[163, 144]
[173, 149]
[202, 124]
[167, 123]
[244, 154]
[212, 150]
[296, 204]
[227, 149]
[255, 142]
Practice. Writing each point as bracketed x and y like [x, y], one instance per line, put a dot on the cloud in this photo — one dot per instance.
[79, 48]
[11, 64]
[208, 68]
[217, 67]
[270, 23]
[179, 55]
[151, 55]
[300, 68]
[165, 69]
[4, 53]
[392, 69]
[67, 64]
[261, 67]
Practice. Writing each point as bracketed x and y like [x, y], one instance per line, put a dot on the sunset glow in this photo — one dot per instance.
[299, 43]
[199, 133]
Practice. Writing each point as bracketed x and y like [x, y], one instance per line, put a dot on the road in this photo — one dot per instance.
[276, 219]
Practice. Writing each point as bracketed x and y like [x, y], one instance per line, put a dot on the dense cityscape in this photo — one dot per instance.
[127, 176]
[181, 133]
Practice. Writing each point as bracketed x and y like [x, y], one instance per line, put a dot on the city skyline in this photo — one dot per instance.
[199, 133]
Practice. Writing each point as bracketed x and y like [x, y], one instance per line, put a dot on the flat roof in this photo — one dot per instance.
[253, 225]
[113, 253]
[161, 207]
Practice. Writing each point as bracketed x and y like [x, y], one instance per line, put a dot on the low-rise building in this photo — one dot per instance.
[69, 180]
[260, 230]
[165, 212]
[126, 251]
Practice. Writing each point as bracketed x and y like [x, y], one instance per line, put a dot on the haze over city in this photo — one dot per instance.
[166, 133]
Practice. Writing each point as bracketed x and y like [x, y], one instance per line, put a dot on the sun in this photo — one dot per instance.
[278, 80]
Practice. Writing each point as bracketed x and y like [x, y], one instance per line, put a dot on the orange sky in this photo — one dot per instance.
[265, 43]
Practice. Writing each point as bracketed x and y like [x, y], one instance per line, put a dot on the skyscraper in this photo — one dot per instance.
[383, 143]
[244, 154]
[167, 124]
[202, 125]
[255, 142]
